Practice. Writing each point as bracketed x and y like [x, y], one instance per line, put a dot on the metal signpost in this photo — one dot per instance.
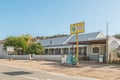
[76, 29]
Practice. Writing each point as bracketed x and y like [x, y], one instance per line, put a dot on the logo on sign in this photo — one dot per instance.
[77, 28]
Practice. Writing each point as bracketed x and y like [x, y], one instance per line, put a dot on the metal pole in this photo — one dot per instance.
[107, 47]
[77, 49]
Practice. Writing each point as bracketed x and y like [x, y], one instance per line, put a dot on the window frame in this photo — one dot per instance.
[98, 48]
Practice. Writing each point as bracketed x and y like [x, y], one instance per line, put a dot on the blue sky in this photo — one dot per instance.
[50, 17]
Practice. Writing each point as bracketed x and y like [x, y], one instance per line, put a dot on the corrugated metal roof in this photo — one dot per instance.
[67, 39]
[85, 37]
[53, 41]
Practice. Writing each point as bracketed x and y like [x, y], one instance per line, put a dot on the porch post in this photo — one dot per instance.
[74, 51]
[54, 51]
[61, 51]
[49, 51]
[87, 51]
[69, 50]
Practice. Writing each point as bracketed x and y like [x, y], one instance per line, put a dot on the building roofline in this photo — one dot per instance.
[68, 39]
[89, 33]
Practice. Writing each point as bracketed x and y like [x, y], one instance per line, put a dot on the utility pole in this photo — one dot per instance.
[107, 44]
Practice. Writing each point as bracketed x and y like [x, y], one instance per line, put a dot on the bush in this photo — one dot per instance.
[35, 48]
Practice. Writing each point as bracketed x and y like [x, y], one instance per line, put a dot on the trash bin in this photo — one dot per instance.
[69, 59]
[101, 58]
[74, 62]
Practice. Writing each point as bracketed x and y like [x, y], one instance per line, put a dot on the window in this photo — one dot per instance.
[82, 51]
[95, 49]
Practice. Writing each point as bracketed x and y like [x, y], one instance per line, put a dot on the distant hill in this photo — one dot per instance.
[49, 37]
[40, 37]
[117, 36]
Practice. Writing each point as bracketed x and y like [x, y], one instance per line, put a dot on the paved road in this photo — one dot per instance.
[12, 73]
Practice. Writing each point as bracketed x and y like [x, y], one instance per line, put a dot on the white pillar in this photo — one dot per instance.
[49, 51]
[74, 50]
[54, 51]
[61, 51]
[69, 50]
[87, 50]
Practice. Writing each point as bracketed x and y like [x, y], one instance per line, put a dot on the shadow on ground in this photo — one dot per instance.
[16, 73]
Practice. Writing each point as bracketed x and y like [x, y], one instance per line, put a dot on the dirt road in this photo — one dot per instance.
[88, 69]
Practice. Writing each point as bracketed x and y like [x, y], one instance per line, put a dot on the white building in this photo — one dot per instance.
[91, 45]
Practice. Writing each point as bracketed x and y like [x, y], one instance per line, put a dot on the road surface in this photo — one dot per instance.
[14, 73]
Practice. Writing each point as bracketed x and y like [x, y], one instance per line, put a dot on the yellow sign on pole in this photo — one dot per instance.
[77, 28]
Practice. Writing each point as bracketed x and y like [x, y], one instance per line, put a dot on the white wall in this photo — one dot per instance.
[95, 56]
[47, 57]
[19, 57]
[36, 57]
[2, 52]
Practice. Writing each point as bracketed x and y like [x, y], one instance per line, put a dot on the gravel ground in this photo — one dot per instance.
[88, 69]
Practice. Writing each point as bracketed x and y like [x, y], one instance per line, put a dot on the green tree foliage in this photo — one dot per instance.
[24, 43]
[35, 48]
[11, 41]
[15, 42]
[27, 38]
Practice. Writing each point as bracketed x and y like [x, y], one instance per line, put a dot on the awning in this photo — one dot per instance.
[65, 46]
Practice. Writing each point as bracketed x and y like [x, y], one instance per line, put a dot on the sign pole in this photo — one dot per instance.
[77, 57]
[76, 29]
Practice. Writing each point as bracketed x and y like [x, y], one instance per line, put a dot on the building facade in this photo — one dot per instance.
[91, 45]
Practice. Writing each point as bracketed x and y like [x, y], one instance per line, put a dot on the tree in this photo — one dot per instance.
[27, 38]
[35, 48]
[11, 41]
[23, 44]
[15, 42]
